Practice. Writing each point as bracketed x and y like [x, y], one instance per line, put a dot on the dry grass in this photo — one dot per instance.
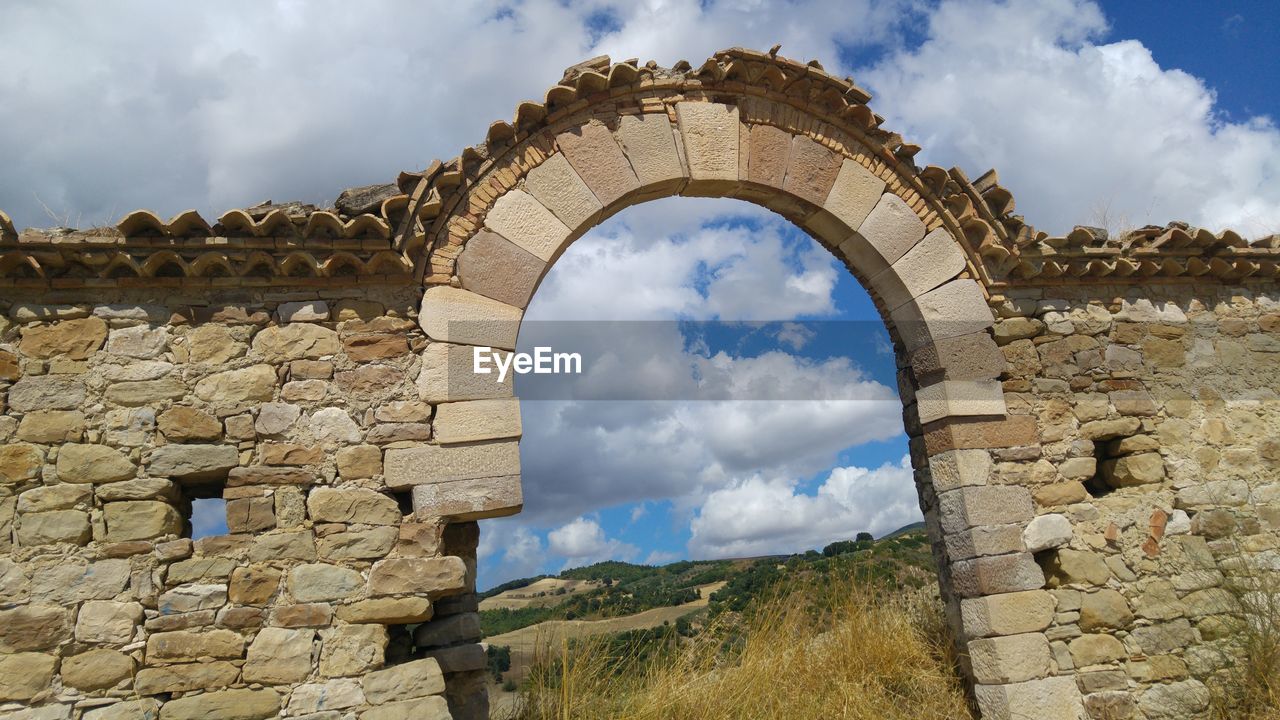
[1250, 684]
[830, 650]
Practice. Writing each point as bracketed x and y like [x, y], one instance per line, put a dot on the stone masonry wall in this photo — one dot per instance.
[287, 404]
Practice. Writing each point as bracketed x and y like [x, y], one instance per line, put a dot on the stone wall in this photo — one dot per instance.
[286, 404]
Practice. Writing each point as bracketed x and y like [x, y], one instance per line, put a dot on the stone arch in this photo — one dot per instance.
[803, 144]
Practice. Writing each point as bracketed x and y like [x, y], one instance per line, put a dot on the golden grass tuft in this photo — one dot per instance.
[833, 649]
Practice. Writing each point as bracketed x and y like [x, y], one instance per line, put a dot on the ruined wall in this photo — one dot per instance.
[291, 404]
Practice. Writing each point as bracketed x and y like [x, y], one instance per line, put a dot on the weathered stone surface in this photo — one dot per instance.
[334, 424]
[55, 526]
[1068, 567]
[428, 708]
[991, 505]
[596, 156]
[461, 422]
[406, 681]
[186, 677]
[558, 186]
[256, 383]
[93, 464]
[1104, 609]
[361, 544]
[359, 461]
[374, 346]
[138, 489]
[128, 710]
[769, 153]
[302, 615]
[365, 199]
[295, 341]
[451, 630]
[1010, 659]
[387, 611]
[1055, 698]
[448, 375]
[46, 392]
[96, 669]
[293, 545]
[405, 467]
[930, 263]
[954, 309]
[185, 424]
[192, 461]
[1175, 700]
[474, 499]
[434, 577]
[75, 339]
[19, 462]
[140, 520]
[812, 170]
[521, 219]
[648, 140]
[996, 574]
[53, 497]
[1134, 470]
[1008, 613]
[1095, 649]
[890, 230]
[710, 135]
[959, 398]
[319, 582]
[274, 417]
[33, 627]
[1047, 531]
[302, 311]
[192, 597]
[352, 649]
[213, 344]
[52, 426]
[146, 392]
[291, 454]
[370, 382]
[138, 341]
[25, 675]
[494, 267]
[325, 697]
[238, 704]
[853, 195]
[454, 315]
[278, 656]
[107, 622]
[253, 585]
[188, 646]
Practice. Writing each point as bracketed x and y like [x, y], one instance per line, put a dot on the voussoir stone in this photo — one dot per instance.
[520, 218]
[558, 186]
[351, 506]
[93, 464]
[455, 315]
[592, 150]
[649, 142]
[711, 135]
[494, 267]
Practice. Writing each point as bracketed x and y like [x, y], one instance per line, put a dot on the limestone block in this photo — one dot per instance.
[319, 582]
[561, 190]
[53, 497]
[19, 462]
[325, 696]
[855, 192]
[373, 346]
[140, 520]
[55, 526]
[1068, 567]
[213, 344]
[74, 579]
[185, 677]
[302, 311]
[812, 170]
[770, 151]
[359, 461]
[75, 339]
[253, 585]
[52, 426]
[649, 142]
[334, 424]
[1095, 649]
[1007, 613]
[959, 398]
[25, 675]
[960, 468]
[46, 392]
[1079, 468]
[520, 218]
[275, 417]
[363, 544]
[461, 422]
[33, 627]
[1132, 470]
[459, 316]
[404, 467]
[476, 499]
[406, 681]
[931, 262]
[1174, 701]
[291, 545]
[93, 464]
[256, 383]
[952, 310]
[185, 424]
[448, 375]
[238, 704]
[492, 266]
[291, 454]
[984, 540]
[352, 506]
[202, 568]
[302, 615]
[1017, 328]
[278, 656]
[434, 577]
[387, 611]
[991, 505]
[451, 630]
[890, 230]
[192, 597]
[138, 341]
[460, 658]
[428, 708]
[295, 341]
[710, 136]
[1054, 698]
[192, 461]
[188, 646]
[352, 650]
[596, 156]
[107, 622]
[996, 574]
[1104, 609]
[146, 392]
[251, 514]
[96, 669]
[1047, 531]
[1013, 658]
[128, 710]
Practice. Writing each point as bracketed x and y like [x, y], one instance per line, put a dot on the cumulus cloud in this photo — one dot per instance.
[762, 515]
[1081, 130]
[582, 542]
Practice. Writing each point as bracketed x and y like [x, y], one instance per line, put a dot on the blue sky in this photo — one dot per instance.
[1113, 114]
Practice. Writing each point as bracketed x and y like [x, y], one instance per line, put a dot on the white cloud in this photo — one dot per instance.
[762, 515]
[583, 542]
[1082, 132]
